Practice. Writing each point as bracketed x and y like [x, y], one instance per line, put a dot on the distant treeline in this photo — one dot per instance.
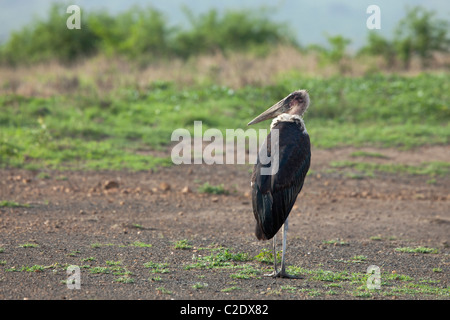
[141, 33]
[144, 35]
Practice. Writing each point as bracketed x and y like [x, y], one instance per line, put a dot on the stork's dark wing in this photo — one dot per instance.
[273, 196]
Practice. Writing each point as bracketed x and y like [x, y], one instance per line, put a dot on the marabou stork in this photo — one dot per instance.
[274, 195]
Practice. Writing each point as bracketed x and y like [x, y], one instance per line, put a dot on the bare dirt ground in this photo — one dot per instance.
[97, 219]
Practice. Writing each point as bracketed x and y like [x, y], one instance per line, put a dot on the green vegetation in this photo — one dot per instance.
[29, 245]
[125, 280]
[199, 285]
[12, 204]
[368, 168]
[222, 258]
[336, 242]
[89, 132]
[141, 244]
[355, 259]
[207, 188]
[335, 54]
[104, 270]
[417, 250]
[240, 268]
[266, 256]
[144, 34]
[419, 33]
[183, 245]
[230, 289]
[157, 267]
[247, 271]
[88, 259]
[164, 290]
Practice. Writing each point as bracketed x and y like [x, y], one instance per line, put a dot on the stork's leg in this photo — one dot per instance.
[284, 232]
[275, 255]
[274, 247]
[282, 273]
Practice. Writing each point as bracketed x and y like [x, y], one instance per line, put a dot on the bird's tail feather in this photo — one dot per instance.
[264, 216]
[260, 233]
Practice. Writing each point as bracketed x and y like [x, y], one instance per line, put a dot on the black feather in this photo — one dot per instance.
[273, 196]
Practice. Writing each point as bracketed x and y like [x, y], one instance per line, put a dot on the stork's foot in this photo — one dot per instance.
[282, 274]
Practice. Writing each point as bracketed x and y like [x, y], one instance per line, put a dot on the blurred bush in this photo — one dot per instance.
[49, 39]
[141, 34]
[233, 30]
[145, 35]
[419, 34]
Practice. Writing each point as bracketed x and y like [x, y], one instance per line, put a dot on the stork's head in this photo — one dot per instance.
[295, 103]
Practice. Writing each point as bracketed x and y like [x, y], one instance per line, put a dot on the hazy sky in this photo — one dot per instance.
[309, 20]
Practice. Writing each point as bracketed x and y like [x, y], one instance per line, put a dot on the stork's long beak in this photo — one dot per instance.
[270, 113]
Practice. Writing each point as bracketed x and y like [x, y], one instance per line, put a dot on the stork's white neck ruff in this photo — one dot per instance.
[285, 117]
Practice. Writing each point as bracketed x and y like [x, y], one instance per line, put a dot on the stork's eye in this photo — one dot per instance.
[299, 99]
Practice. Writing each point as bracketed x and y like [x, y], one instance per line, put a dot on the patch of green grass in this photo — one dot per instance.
[335, 242]
[355, 259]
[97, 270]
[118, 130]
[29, 245]
[157, 267]
[199, 285]
[74, 253]
[355, 283]
[359, 258]
[222, 258]
[120, 271]
[34, 268]
[140, 244]
[397, 277]
[311, 292]
[230, 289]
[163, 290]
[435, 168]
[417, 250]
[43, 175]
[208, 188]
[12, 204]
[330, 276]
[415, 289]
[289, 288]
[266, 256]
[157, 278]
[182, 244]
[331, 292]
[361, 292]
[124, 280]
[88, 259]
[239, 276]
[246, 271]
